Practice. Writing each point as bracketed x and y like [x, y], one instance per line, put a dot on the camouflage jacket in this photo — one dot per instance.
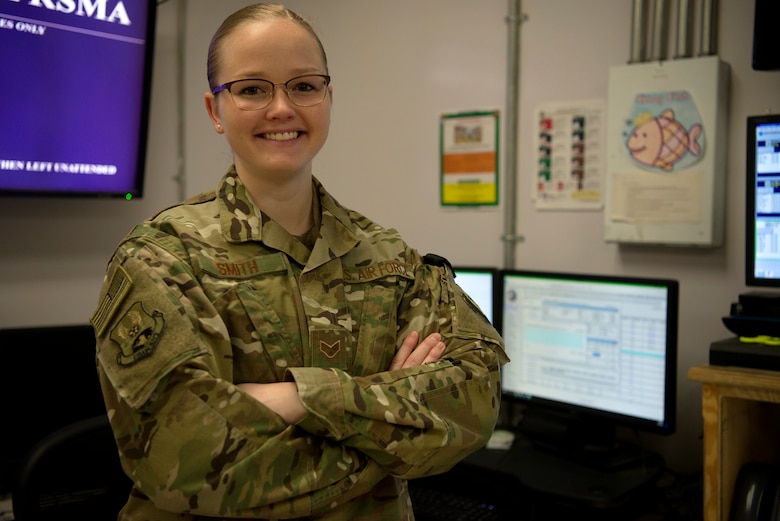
[211, 293]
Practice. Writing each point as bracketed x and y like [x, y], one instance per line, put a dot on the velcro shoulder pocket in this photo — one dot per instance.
[143, 333]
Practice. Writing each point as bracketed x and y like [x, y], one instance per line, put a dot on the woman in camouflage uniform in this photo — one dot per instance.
[266, 353]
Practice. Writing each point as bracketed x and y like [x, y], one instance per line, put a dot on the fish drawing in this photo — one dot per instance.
[662, 141]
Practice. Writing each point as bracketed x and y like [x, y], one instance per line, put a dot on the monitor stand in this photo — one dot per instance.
[580, 459]
[578, 481]
[605, 457]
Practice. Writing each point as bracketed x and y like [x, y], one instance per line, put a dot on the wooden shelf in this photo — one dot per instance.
[741, 413]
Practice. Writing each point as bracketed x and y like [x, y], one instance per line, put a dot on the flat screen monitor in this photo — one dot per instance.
[482, 285]
[762, 203]
[76, 78]
[590, 353]
[62, 358]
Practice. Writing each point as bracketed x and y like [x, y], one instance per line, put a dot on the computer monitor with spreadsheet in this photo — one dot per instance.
[762, 202]
[482, 285]
[590, 353]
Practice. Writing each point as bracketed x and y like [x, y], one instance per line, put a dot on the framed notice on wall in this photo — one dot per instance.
[469, 159]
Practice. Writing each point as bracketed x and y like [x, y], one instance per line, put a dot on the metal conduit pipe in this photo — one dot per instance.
[708, 24]
[660, 31]
[638, 32]
[181, 22]
[510, 239]
[683, 43]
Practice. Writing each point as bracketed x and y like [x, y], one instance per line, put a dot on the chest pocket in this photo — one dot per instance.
[266, 334]
[376, 335]
[351, 325]
[258, 306]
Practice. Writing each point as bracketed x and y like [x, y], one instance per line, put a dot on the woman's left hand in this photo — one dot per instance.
[410, 354]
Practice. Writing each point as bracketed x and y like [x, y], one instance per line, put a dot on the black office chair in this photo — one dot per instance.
[756, 493]
[73, 473]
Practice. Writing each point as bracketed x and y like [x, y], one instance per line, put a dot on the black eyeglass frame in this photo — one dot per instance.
[227, 86]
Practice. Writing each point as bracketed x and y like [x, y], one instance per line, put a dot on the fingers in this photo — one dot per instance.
[408, 345]
[429, 350]
[411, 354]
[435, 353]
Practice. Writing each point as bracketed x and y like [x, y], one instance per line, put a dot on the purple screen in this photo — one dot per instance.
[75, 80]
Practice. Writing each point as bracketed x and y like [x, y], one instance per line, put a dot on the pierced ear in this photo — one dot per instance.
[211, 109]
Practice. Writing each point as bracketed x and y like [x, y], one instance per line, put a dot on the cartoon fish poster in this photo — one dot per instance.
[666, 152]
[664, 132]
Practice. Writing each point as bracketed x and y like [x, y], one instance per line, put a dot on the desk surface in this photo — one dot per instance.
[674, 497]
[542, 471]
[744, 377]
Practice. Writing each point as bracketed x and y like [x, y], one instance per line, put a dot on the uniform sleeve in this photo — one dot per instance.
[423, 420]
[190, 440]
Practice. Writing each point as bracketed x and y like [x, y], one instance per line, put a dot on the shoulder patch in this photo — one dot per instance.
[137, 334]
[117, 291]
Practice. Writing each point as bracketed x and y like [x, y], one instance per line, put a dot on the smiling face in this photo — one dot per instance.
[279, 142]
[645, 142]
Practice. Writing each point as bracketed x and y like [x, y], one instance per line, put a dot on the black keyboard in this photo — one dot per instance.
[436, 505]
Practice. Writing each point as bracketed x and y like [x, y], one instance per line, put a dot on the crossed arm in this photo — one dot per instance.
[282, 397]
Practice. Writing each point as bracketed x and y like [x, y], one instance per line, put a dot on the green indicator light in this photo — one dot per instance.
[128, 196]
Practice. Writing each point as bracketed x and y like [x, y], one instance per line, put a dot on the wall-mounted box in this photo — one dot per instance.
[666, 152]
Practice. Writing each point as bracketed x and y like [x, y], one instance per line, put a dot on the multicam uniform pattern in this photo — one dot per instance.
[210, 293]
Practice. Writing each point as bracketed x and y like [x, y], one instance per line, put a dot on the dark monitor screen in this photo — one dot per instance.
[60, 360]
[762, 203]
[482, 285]
[592, 348]
[77, 77]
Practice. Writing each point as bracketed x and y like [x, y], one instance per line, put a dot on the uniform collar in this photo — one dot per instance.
[241, 221]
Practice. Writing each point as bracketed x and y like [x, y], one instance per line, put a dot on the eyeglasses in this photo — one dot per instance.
[256, 94]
